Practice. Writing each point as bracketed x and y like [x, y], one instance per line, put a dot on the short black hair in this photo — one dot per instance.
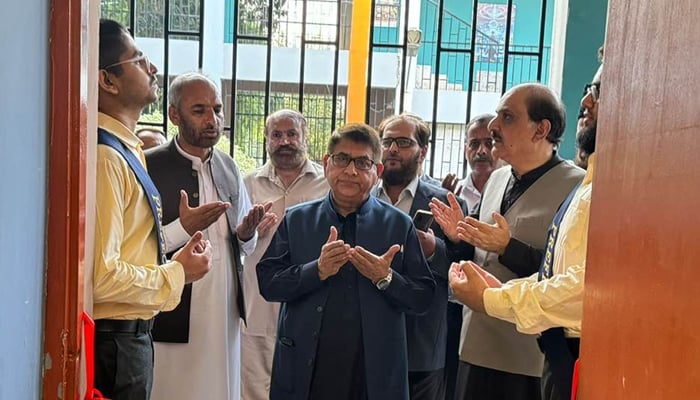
[420, 128]
[357, 133]
[543, 104]
[112, 44]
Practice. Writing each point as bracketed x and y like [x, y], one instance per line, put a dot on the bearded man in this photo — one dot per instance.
[288, 178]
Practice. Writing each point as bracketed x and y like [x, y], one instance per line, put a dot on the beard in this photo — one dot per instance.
[401, 176]
[288, 157]
[585, 138]
[197, 137]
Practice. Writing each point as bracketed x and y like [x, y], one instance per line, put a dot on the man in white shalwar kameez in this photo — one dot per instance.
[197, 349]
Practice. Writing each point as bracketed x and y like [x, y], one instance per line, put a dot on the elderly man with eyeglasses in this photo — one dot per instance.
[346, 269]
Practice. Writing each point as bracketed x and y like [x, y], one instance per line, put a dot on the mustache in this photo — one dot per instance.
[483, 158]
[286, 147]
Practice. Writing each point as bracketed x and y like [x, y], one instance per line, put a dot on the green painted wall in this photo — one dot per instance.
[585, 33]
[457, 20]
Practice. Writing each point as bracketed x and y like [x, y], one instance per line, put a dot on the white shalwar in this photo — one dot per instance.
[208, 367]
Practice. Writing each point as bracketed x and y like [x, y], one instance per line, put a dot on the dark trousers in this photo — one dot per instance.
[124, 365]
[558, 370]
[426, 385]
[479, 383]
[454, 330]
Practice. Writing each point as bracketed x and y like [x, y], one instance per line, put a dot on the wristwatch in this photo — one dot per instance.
[384, 283]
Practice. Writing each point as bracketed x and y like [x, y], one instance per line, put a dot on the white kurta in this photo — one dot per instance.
[208, 367]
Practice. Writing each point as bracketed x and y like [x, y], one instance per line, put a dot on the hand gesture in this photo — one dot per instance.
[371, 266]
[246, 229]
[334, 254]
[468, 282]
[447, 216]
[427, 242]
[268, 222]
[449, 182]
[201, 217]
[485, 236]
[195, 257]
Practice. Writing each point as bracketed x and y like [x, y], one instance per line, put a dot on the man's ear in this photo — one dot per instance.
[543, 129]
[424, 153]
[380, 171]
[107, 82]
[174, 115]
[325, 164]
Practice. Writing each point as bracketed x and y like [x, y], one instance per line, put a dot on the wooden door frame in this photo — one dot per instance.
[65, 234]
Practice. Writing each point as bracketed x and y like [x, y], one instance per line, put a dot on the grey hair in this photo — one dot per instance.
[295, 116]
[175, 90]
[480, 120]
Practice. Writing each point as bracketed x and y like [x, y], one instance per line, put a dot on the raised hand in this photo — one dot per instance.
[449, 182]
[485, 236]
[268, 222]
[199, 218]
[246, 229]
[334, 254]
[195, 257]
[370, 265]
[447, 216]
[468, 282]
[427, 242]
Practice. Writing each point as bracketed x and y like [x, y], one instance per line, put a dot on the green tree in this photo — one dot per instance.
[253, 17]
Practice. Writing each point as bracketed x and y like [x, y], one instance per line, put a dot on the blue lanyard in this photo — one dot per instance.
[546, 270]
[107, 139]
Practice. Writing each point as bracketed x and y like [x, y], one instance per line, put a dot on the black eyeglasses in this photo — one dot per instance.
[593, 89]
[401, 142]
[342, 160]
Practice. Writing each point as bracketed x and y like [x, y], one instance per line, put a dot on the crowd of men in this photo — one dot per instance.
[307, 281]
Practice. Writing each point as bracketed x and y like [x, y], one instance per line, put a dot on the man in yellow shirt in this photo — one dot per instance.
[132, 282]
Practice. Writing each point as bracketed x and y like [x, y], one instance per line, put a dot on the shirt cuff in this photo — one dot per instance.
[175, 236]
[248, 247]
[495, 306]
[175, 276]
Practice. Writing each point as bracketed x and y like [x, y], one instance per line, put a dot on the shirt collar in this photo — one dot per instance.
[590, 171]
[536, 173]
[124, 134]
[268, 170]
[197, 162]
[469, 184]
[411, 187]
[362, 209]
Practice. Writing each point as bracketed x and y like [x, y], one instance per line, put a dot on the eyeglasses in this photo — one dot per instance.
[342, 160]
[594, 90]
[401, 142]
[141, 60]
[474, 144]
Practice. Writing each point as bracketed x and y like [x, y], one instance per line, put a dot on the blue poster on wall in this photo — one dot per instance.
[491, 23]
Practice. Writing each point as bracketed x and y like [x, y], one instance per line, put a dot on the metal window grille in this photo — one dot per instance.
[457, 54]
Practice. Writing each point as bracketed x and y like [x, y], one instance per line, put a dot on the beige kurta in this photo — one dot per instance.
[258, 336]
